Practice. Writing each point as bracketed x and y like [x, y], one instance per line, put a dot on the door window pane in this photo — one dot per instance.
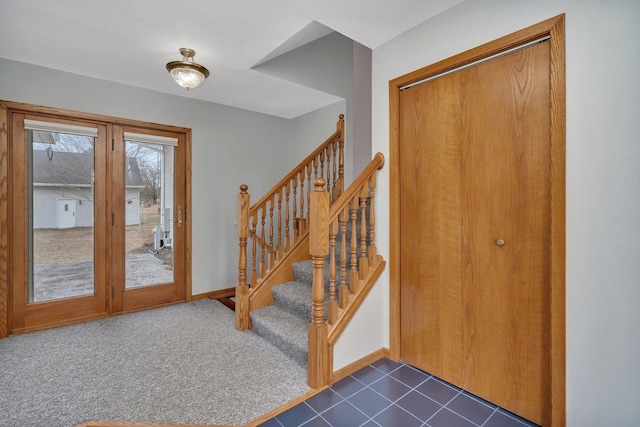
[149, 214]
[61, 216]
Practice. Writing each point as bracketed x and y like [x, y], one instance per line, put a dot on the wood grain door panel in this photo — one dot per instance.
[475, 165]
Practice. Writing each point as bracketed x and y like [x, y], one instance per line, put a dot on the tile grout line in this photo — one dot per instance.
[388, 374]
[492, 414]
[395, 402]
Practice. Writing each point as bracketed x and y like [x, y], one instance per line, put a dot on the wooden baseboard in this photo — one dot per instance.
[337, 375]
[221, 293]
[359, 364]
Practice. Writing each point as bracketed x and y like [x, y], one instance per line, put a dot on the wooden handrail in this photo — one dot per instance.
[376, 164]
[338, 135]
[271, 227]
[326, 226]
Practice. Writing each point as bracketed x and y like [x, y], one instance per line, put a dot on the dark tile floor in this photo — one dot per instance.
[390, 394]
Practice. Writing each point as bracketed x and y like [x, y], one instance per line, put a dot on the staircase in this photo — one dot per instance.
[285, 324]
[307, 256]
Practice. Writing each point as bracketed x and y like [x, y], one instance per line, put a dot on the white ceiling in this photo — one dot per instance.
[130, 41]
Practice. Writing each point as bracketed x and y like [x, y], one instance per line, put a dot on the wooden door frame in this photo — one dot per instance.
[554, 29]
[7, 109]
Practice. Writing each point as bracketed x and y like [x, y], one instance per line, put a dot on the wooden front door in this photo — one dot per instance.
[474, 158]
[98, 217]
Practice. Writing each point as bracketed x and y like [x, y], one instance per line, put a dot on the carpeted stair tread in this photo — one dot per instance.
[294, 297]
[284, 330]
[285, 324]
[303, 273]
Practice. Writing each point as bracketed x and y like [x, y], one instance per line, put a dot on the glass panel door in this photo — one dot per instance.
[61, 216]
[148, 214]
[59, 221]
[148, 234]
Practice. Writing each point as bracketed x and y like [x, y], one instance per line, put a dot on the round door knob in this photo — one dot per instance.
[500, 242]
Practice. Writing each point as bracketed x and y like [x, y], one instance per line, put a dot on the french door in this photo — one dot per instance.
[97, 214]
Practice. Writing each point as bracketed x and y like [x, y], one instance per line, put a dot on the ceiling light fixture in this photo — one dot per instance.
[187, 73]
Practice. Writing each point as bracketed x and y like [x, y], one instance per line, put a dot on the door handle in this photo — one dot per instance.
[180, 216]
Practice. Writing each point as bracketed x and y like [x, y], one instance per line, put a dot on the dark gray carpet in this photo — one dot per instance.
[179, 364]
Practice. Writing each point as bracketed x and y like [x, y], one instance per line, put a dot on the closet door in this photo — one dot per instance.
[475, 229]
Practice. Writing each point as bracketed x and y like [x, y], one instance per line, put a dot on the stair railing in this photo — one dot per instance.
[270, 228]
[359, 264]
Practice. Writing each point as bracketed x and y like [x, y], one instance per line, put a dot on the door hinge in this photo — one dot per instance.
[112, 144]
[113, 218]
[113, 293]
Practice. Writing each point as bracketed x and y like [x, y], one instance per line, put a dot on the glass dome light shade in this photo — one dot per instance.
[187, 73]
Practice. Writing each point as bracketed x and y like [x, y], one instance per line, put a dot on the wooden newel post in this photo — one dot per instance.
[319, 369]
[242, 289]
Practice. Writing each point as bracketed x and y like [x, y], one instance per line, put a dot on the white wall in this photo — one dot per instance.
[131, 206]
[224, 139]
[337, 65]
[310, 130]
[603, 181]
[45, 206]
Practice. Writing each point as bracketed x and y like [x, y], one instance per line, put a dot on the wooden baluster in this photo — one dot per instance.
[343, 295]
[296, 227]
[341, 155]
[279, 236]
[242, 290]
[302, 224]
[309, 189]
[254, 247]
[334, 147]
[322, 167]
[363, 266]
[353, 274]
[319, 370]
[327, 152]
[373, 250]
[272, 252]
[315, 167]
[287, 219]
[263, 239]
[333, 304]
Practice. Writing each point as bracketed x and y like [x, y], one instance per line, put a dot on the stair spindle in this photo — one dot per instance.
[353, 274]
[322, 154]
[294, 203]
[363, 266]
[373, 251]
[263, 251]
[343, 294]
[333, 304]
[309, 189]
[287, 238]
[334, 148]
[254, 247]
[279, 236]
[341, 155]
[328, 178]
[301, 221]
[272, 252]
